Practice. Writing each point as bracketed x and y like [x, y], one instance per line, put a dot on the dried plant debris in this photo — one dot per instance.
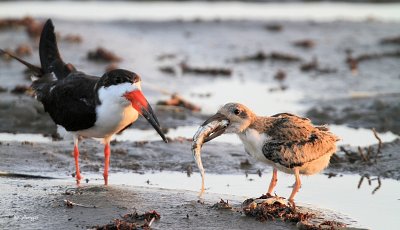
[23, 50]
[274, 27]
[73, 38]
[280, 75]
[222, 205]
[316, 225]
[162, 57]
[368, 155]
[184, 68]
[314, 66]
[367, 176]
[267, 208]
[187, 69]
[271, 208]
[177, 100]
[353, 61]
[168, 70]
[273, 56]
[8, 23]
[306, 43]
[33, 27]
[132, 221]
[391, 40]
[103, 55]
[278, 88]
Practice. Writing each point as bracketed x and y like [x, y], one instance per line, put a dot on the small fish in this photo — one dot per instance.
[205, 133]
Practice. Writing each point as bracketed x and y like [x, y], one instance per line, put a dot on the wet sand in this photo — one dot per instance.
[40, 205]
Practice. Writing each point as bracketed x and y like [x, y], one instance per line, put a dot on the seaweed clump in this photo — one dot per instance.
[132, 221]
[271, 208]
[263, 210]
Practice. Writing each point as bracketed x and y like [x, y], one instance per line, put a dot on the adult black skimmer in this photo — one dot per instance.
[84, 105]
[287, 142]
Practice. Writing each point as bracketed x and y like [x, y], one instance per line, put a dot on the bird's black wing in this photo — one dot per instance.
[50, 58]
[71, 102]
[294, 141]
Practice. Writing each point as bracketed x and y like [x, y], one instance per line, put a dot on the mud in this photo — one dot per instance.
[385, 164]
[141, 157]
[368, 111]
[24, 114]
[103, 55]
[136, 157]
[177, 100]
[274, 56]
[41, 205]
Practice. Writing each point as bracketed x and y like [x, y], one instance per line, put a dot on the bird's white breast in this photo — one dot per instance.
[253, 142]
[113, 114]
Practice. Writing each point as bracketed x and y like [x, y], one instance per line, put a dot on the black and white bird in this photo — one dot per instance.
[285, 141]
[87, 106]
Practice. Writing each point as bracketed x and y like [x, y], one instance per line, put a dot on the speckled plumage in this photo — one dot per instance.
[294, 141]
[285, 141]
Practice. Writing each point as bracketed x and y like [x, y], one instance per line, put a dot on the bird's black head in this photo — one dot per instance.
[118, 76]
[123, 87]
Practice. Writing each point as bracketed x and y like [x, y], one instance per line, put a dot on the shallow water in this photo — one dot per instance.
[254, 95]
[340, 193]
[21, 137]
[350, 136]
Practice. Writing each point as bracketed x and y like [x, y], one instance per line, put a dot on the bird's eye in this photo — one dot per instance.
[236, 111]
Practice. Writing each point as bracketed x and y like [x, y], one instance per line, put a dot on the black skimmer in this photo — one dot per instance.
[87, 106]
[285, 141]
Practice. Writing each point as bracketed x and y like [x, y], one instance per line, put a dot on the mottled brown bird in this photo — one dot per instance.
[285, 141]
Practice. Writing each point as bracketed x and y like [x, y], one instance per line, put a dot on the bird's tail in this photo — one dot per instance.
[325, 128]
[50, 58]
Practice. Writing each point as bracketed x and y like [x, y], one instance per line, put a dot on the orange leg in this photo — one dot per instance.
[274, 179]
[76, 156]
[106, 162]
[296, 186]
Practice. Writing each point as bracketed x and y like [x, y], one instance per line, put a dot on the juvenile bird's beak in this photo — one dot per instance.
[140, 103]
[219, 130]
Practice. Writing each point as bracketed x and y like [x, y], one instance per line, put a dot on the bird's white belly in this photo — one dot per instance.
[110, 120]
[253, 143]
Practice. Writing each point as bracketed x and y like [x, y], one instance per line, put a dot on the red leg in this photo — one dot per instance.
[76, 156]
[106, 162]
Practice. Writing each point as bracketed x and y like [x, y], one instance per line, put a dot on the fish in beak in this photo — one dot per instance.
[218, 130]
[210, 129]
[140, 103]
